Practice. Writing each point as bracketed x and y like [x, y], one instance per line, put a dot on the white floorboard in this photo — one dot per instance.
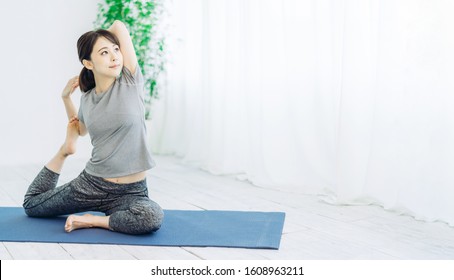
[159, 253]
[36, 251]
[4, 254]
[313, 229]
[96, 252]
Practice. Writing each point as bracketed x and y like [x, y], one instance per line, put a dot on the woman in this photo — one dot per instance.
[112, 111]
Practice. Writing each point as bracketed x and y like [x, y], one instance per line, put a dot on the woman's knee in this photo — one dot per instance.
[143, 216]
[28, 211]
[31, 211]
[151, 217]
[28, 207]
[27, 204]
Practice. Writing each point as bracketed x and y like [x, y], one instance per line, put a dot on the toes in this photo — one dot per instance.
[69, 224]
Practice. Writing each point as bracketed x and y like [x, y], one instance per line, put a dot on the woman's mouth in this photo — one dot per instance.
[114, 66]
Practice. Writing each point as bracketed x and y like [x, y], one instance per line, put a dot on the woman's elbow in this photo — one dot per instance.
[82, 132]
[118, 24]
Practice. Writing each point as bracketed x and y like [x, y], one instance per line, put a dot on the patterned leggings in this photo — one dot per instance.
[128, 205]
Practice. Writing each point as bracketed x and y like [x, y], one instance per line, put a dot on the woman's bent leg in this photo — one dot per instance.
[42, 190]
[136, 215]
[45, 181]
[127, 206]
[44, 199]
[79, 195]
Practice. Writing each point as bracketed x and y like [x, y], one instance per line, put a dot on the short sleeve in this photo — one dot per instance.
[128, 78]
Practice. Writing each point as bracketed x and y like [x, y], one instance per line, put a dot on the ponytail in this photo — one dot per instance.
[86, 80]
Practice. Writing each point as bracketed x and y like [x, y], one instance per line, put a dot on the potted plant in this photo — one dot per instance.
[141, 18]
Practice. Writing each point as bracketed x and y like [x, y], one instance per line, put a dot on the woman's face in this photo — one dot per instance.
[106, 59]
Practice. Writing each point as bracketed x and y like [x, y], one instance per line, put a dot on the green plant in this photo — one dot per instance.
[141, 18]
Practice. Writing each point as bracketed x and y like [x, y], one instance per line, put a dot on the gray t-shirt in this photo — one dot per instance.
[115, 120]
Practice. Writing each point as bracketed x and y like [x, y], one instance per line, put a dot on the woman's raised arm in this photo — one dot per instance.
[126, 47]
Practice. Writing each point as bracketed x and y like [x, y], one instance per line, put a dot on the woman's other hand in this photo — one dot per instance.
[72, 84]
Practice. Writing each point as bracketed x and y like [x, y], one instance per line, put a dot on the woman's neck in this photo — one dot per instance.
[103, 84]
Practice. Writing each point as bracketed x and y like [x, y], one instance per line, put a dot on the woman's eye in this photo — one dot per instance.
[117, 49]
[104, 52]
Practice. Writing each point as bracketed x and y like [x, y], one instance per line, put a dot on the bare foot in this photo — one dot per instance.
[72, 133]
[74, 222]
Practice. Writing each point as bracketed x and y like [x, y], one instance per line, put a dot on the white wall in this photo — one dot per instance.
[39, 55]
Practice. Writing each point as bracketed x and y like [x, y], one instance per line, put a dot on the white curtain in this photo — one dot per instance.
[352, 99]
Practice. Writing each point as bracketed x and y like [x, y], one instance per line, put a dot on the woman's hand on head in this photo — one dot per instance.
[72, 84]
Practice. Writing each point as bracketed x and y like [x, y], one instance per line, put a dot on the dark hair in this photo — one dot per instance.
[84, 49]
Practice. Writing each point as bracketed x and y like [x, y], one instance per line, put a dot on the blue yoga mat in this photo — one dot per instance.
[236, 229]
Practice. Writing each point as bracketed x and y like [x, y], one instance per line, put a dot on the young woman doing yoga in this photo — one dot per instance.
[112, 111]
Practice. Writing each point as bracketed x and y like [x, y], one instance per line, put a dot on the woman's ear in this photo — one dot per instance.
[88, 64]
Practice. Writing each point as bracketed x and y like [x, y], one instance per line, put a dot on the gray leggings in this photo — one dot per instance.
[128, 205]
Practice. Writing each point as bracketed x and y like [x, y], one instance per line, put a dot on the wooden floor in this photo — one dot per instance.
[313, 229]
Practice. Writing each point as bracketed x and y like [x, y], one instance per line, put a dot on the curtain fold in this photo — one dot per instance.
[351, 99]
